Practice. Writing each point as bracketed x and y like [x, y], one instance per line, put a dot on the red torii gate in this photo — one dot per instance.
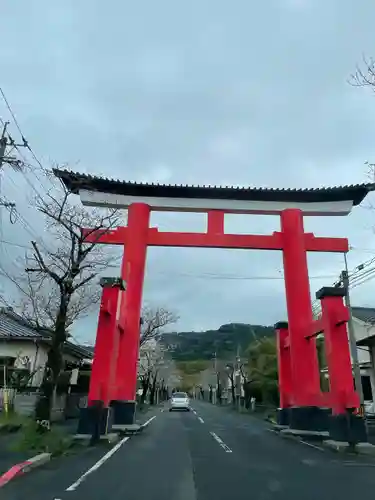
[121, 336]
[291, 240]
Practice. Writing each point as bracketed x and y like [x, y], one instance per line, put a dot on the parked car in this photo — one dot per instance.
[179, 401]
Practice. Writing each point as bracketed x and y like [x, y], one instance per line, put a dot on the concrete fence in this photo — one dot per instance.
[65, 405]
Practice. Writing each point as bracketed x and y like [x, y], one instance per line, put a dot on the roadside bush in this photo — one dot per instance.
[54, 441]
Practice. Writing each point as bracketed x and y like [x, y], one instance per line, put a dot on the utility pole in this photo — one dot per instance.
[238, 377]
[215, 370]
[5, 159]
[352, 340]
[5, 141]
[3, 144]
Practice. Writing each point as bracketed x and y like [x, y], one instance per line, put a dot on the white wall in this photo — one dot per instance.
[37, 355]
[36, 352]
[366, 354]
[362, 331]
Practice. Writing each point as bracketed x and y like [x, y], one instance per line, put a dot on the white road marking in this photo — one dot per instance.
[312, 445]
[100, 462]
[148, 421]
[221, 443]
[201, 420]
[194, 412]
[354, 464]
[301, 441]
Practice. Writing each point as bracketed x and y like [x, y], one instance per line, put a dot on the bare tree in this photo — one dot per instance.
[230, 371]
[154, 320]
[364, 75]
[60, 284]
[207, 381]
[152, 360]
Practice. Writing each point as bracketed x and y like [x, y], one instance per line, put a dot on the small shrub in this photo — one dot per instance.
[54, 441]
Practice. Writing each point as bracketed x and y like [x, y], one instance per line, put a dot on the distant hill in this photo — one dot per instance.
[187, 346]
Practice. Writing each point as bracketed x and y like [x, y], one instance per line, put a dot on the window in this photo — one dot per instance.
[366, 387]
[180, 395]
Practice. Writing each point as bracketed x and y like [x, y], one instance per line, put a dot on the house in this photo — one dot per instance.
[24, 350]
[364, 331]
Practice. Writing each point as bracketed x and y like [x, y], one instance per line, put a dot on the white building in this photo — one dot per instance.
[364, 330]
[24, 349]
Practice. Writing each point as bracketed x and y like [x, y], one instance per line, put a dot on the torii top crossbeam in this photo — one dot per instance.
[328, 201]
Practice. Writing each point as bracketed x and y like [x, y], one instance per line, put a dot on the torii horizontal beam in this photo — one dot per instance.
[158, 238]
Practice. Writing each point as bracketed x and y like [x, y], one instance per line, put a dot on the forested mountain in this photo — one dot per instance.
[186, 346]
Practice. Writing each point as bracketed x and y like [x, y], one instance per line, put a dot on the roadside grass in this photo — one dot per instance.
[25, 436]
[55, 441]
[12, 421]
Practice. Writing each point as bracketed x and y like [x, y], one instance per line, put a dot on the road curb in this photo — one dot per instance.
[24, 467]
[343, 448]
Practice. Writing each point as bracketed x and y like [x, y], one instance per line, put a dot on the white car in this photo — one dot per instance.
[179, 401]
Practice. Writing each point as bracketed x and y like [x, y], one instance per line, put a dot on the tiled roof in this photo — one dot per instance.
[365, 314]
[14, 327]
[75, 181]
[80, 350]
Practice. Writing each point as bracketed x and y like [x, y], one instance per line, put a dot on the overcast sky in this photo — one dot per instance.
[200, 92]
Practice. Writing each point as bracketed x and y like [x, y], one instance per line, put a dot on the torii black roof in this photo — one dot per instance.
[74, 181]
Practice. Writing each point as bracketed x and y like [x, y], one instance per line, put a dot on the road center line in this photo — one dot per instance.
[104, 458]
[201, 420]
[221, 443]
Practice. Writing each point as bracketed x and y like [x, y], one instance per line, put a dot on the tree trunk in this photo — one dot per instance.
[153, 390]
[219, 389]
[145, 386]
[52, 369]
[233, 390]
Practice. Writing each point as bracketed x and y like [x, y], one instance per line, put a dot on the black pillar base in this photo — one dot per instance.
[283, 416]
[123, 412]
[348, 427]
[95, 420]
[309, 418]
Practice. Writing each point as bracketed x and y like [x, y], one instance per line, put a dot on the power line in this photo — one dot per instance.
[12, 244]
[227, 277]
[25, 144]
[11, 112]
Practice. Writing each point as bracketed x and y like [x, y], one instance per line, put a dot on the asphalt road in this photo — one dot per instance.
[207, 454]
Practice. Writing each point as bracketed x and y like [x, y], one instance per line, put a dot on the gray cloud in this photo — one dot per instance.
[201, 92]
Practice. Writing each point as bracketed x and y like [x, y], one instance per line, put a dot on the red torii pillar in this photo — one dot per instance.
[344, 425]
[300, 316]
[103, 373]
[133, 270]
